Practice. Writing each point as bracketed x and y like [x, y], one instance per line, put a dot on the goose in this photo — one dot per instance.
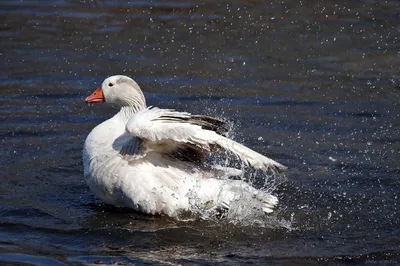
[152, 160]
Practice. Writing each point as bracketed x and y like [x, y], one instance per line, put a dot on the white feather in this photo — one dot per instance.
[152, 124]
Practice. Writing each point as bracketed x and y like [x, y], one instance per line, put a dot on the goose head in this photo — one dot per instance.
[119, 90]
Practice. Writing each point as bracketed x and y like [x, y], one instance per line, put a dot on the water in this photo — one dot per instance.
[314, 85]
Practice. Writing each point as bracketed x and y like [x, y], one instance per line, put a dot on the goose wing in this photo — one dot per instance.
[169, 127]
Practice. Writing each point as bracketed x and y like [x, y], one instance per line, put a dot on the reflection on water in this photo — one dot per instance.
[314, 85]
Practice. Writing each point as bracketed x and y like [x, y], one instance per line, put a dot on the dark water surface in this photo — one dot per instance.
[312, 84]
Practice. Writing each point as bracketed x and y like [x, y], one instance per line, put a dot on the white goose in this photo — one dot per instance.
[151, 159]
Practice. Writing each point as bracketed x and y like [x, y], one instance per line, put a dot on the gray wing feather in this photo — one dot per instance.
[217, 125]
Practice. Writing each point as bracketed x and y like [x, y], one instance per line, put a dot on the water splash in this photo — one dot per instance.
[245, 209]
[251, 190]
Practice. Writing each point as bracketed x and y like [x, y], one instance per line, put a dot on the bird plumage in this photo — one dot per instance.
[153, 160]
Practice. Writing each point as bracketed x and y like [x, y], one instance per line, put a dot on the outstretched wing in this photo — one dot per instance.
[165, 126]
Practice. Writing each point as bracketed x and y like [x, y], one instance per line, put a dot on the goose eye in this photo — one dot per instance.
[110, 84]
